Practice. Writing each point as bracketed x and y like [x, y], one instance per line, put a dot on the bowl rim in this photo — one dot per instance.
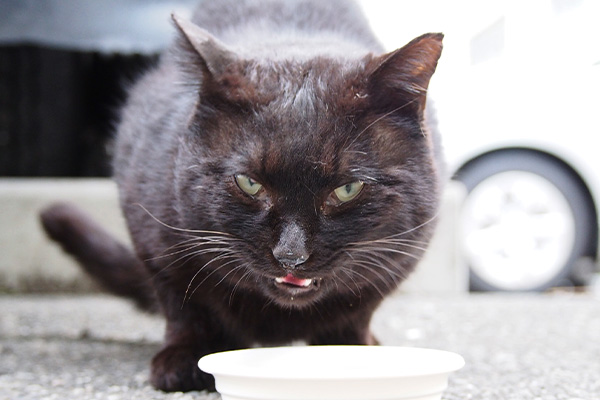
[216, 363]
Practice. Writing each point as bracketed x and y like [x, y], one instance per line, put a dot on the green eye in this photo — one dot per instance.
[348, 191]
[247, 184]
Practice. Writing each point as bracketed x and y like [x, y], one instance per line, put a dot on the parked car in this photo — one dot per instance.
[532, 172]
[523, 139]
[517, 94]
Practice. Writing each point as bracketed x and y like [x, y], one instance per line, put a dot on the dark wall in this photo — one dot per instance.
[58, 109]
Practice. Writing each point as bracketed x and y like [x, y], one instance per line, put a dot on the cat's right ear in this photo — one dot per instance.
[202, 50]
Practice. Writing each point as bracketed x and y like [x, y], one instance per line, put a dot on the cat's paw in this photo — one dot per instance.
[175, 369]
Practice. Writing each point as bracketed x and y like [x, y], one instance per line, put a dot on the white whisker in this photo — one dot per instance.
[180, 229]
[400, 242]
[190, 246]
[384, 249]
[381, 258]
[378, 264]
[345, 284]
[235, 287]
[415, 228]
[218, 258]
[365, 279]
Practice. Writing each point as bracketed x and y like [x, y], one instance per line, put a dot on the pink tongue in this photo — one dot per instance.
[292, 280]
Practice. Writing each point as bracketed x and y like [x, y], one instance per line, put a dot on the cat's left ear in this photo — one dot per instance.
[401, 78]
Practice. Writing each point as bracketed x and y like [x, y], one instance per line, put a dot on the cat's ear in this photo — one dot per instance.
[401, 78]
[203, 50]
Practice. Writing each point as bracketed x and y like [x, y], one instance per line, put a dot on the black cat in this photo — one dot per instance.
[278, 179]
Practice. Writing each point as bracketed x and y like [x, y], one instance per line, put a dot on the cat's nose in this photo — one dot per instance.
[289, 259]
[291, 250]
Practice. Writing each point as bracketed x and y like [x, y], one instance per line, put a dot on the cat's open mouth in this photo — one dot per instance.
[291, 282]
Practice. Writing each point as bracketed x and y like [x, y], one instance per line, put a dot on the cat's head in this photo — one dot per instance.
[320, 173]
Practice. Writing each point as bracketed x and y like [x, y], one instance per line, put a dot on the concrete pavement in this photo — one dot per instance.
[516, 346]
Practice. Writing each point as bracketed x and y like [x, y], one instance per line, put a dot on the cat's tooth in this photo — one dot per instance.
[306, 282]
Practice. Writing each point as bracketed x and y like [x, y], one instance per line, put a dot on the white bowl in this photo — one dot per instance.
[331, 372]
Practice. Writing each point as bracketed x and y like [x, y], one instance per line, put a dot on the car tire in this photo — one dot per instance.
[527, 220]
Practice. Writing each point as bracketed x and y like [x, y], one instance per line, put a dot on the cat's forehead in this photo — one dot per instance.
[312, 152]
[314, 125]
[301, 84]
[300, 102]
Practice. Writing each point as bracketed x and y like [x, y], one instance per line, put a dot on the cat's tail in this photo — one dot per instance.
[109, 262]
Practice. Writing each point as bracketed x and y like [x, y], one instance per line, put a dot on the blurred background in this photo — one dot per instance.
[517, 94]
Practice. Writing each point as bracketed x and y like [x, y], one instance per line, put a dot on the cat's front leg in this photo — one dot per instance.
[174, 370]
[175, 367]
